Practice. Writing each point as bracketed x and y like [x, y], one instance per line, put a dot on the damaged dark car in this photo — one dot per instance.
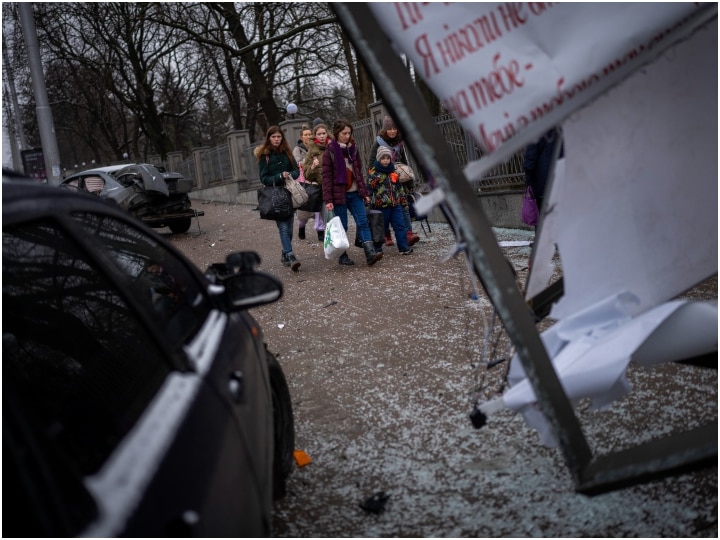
[139, 396]
[157, 197]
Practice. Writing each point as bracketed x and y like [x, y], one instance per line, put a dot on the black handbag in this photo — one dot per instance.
[377, 226]
[314, 192]
[275, 203]
[376, 222]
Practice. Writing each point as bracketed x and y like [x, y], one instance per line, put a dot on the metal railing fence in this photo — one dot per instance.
[216, 165]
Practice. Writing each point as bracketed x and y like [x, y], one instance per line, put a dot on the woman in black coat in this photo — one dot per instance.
[276, 162]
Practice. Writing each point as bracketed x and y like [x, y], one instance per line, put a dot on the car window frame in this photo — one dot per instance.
[171, 358]
[169, 254]
[61, 210]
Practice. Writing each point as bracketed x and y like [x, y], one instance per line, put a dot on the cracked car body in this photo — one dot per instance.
[155, 196]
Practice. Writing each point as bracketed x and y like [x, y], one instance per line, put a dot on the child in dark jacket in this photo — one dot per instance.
[390, 136]
[389, 196]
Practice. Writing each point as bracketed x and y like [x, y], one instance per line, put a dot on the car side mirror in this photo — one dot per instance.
[245, 287]
[245, 291]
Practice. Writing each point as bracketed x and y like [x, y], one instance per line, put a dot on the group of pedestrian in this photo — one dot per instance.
[334, 163]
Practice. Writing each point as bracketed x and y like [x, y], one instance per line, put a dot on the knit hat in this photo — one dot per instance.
[383, 151]
[388, 123]
[317, 121]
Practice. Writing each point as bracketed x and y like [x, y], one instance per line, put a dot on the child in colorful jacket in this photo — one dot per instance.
[389, 196]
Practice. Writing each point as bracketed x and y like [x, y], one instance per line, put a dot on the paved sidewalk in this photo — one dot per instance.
[381, 362]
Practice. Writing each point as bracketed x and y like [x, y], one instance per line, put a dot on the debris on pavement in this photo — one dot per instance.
[376, 503]
[301, 458]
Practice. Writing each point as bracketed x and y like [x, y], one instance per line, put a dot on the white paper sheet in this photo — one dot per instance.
[593, 363]
[636, 206]
[634, 209]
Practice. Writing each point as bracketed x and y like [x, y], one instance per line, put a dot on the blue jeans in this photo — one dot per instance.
[286, 233]
[356, 205]
[394, 216]
[406, 219]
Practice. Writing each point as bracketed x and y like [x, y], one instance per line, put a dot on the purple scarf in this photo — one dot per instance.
[340, 165]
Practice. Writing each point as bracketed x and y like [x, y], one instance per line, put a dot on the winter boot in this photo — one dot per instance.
[345, 260]
[301, 233]
[284, 259]
[388, 239]
[321, 236]
[371, 256]
[293, 263]
[412, 238]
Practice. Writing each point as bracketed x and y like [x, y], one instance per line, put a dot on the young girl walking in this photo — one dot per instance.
[312, 166]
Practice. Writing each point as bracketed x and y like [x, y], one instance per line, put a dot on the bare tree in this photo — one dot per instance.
[150, 78]
[360, 79]
[20, 109]
[113, 51]
[266, 54]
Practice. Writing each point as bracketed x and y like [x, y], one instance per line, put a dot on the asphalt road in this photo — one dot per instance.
[382, 362]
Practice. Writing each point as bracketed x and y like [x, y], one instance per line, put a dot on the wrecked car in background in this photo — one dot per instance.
[155, 196]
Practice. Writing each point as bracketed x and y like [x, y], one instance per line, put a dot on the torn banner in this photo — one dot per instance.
[645, 154]
[510, 71]
[639, 186]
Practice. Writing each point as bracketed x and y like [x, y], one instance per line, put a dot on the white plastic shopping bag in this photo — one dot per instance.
[336, 240]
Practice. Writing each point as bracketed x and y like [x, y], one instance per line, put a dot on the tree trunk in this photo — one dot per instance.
[359, 79]
[260, 87]
[364, 94]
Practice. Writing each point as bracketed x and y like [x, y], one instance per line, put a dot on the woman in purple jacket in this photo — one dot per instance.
[344, 187]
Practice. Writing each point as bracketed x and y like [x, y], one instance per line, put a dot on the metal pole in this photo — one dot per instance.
[12, 134]
[44, 113]
[9, 72]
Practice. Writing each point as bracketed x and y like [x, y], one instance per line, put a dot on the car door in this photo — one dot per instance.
[154, 436]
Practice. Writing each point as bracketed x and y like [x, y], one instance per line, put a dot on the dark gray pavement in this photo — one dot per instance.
[381, 362]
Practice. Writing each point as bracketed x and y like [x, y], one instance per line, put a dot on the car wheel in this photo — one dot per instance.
[284, 426]
[180, 225]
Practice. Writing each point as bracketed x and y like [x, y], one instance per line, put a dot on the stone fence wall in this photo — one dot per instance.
[229, 172]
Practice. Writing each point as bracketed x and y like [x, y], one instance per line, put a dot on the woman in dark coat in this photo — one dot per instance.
[276, 162]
